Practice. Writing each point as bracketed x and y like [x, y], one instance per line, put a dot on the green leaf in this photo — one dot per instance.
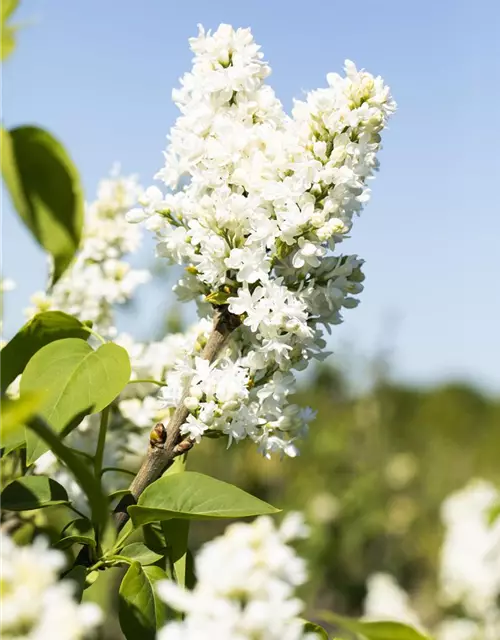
[154, 538]
[79, 531]
[493, 514]
[8, 7]
[33, 492]
[176, 534]
[139, 552]
[15, 413]
[312, 627]
[8, 31]
[41, 330]
[141, 612]
[73, 378]
[119, 493]
[127, 530]
[374, 630]
[195, 496]
[45, 189]
[90, 485]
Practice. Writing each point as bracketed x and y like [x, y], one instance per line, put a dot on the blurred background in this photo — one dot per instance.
[409, 402]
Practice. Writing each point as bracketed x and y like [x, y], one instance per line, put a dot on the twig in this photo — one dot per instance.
[165, 444]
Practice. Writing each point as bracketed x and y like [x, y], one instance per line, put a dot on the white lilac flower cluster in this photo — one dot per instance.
[246, 583]
[35, 604]
[469, 574]
[99, 277]
[258, 202]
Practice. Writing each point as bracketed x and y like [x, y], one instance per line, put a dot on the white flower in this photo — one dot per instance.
[459, 629]
[35, 606]
[194, 428]
[251, 264]
[99, 278]
[386, 600]
[469, 570]
[246, 581]
[470, 557]
[141, 412]
[308, 253]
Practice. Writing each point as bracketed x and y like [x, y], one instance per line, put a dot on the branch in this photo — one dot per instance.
[166, 443]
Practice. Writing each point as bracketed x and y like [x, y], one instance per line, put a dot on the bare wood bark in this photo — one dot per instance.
[166, 443]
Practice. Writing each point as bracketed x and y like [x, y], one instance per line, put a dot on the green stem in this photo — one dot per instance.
[101, 442]
[148, 381]
[95, 334]
[99, 563]
[118, 558]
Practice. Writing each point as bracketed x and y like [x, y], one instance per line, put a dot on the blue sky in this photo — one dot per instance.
[99, 75]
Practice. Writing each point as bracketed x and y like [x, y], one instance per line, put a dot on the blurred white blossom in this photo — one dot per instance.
[324, 508]
[99, 277]
[35, 605]
[469, 573]
[470, 556]
[245, 590]
[386, 600]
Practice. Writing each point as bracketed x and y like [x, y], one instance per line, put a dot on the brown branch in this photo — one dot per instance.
[166, 443]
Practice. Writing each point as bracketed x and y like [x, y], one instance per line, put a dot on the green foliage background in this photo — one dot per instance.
[371, 478]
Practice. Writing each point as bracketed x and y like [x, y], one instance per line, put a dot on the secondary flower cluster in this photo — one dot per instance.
[246, 586]
[259, 201]
[35, 605]
[469, 577]
[99, 277]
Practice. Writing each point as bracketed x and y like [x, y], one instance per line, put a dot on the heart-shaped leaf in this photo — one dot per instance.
[33, 492]
[45, 189]
[42, 329]
[195, 496]
[141, 612]
[73, 378]
[139, 552]
[15, 413]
